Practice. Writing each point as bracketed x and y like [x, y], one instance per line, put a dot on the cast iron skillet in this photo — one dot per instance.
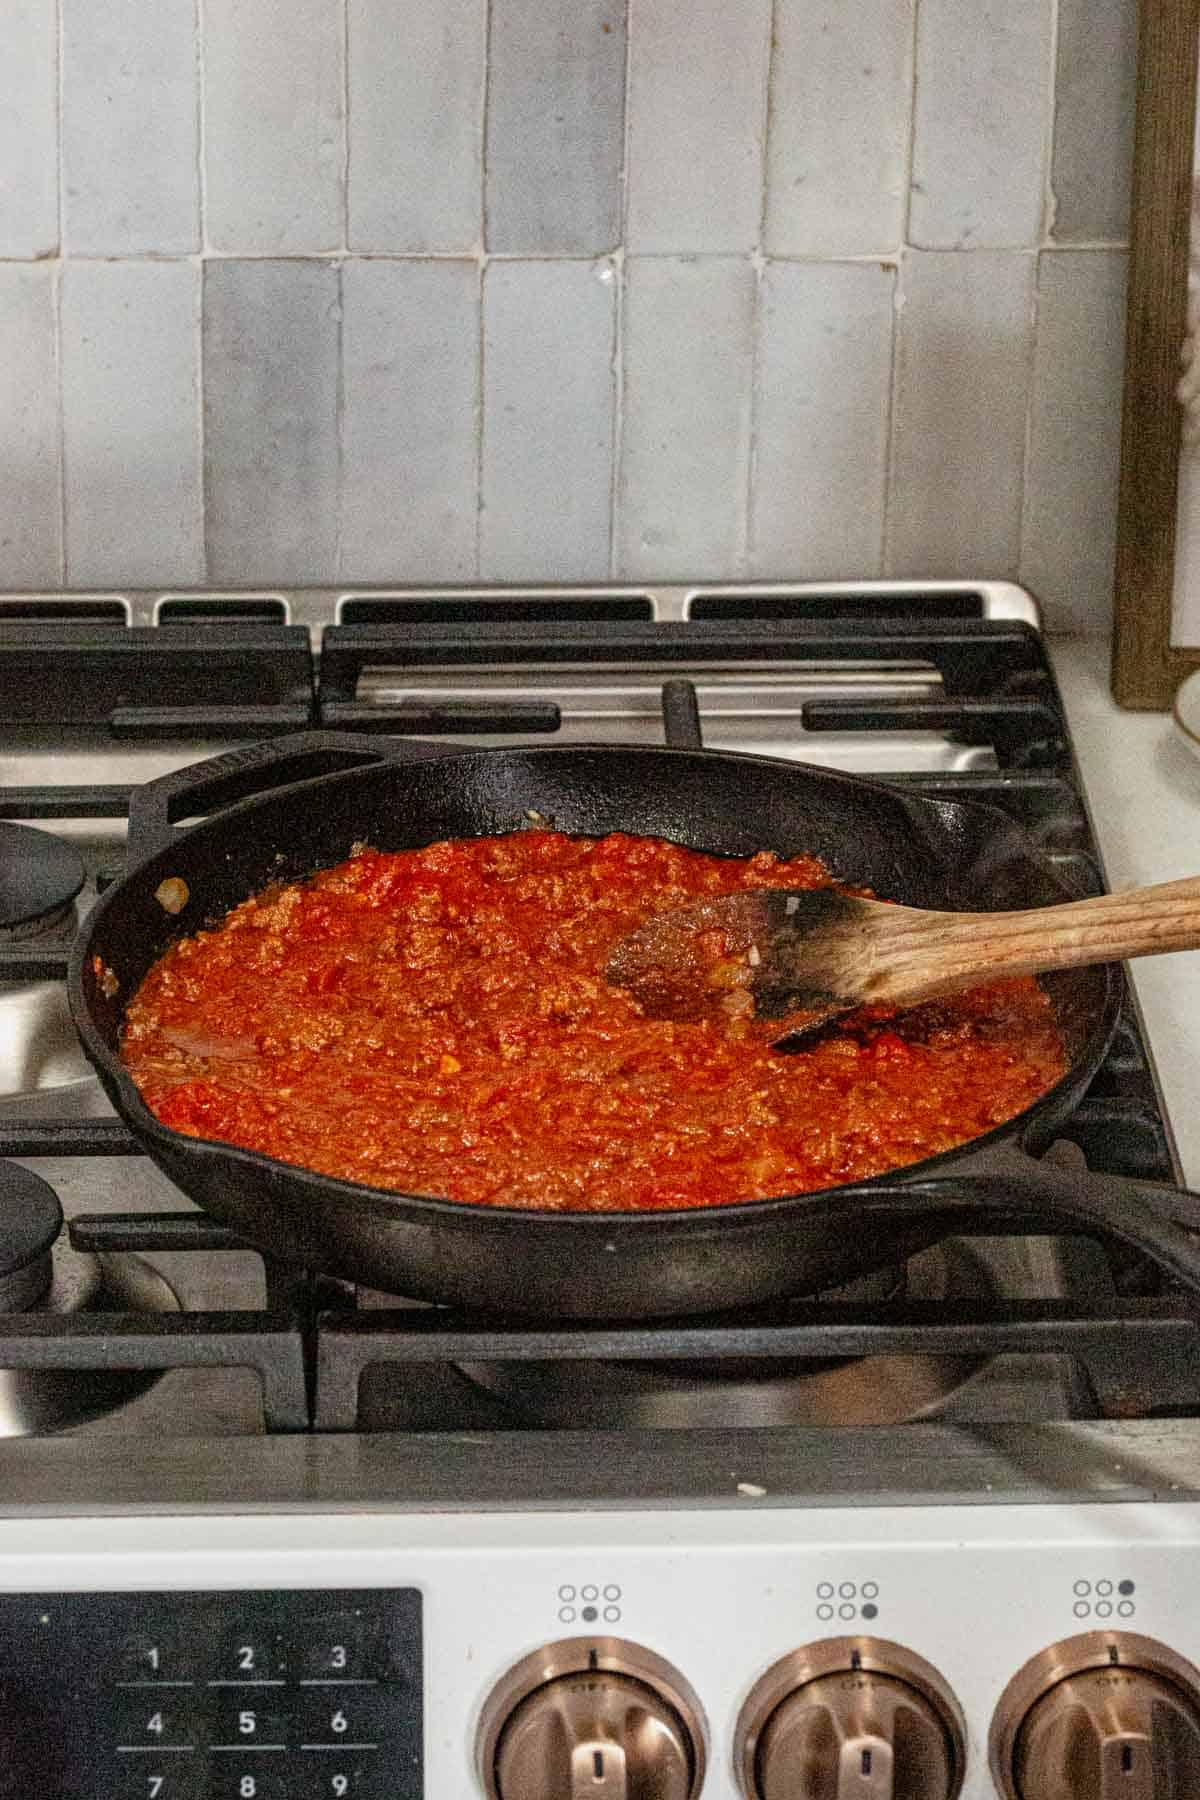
[616, 1265]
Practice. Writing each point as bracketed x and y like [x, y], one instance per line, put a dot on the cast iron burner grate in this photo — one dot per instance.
[1139, 1343]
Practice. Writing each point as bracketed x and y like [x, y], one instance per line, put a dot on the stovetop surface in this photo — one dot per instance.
[945, 687]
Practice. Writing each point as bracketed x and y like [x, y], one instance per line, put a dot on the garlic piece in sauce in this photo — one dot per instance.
[172, 894]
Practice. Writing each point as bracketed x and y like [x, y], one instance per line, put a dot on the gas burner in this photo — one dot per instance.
[30, 1221]
[877, 1390]
[40, 1272]
[40, 876]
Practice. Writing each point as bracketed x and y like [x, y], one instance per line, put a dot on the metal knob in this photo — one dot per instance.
[594, 1737]
[851, 1719]
[592, 1719]
[1101, 1716]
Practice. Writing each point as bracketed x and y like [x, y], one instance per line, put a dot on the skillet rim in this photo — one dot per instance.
[459, 1214]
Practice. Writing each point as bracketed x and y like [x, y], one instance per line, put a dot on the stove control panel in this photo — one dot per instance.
[211, 1696]
[749, 1652]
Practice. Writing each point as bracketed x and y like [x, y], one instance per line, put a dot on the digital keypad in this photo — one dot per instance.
[281, 1696]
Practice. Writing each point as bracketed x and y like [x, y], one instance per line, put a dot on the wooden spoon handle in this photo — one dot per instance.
[924, 954]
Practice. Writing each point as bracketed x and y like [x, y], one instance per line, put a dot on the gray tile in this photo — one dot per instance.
[130, 347]
[273, 125]
[837, 150]
[271, 334]
[1069, 535]
[983, 98]
[547, 420]
[415, 125]
[697, 93]
[30, 493]
[411, 382]
[555, 125]
[130, 180]
[688, 354]
[29, 129]
[965, 356]
[1093, 121]
[820, 420]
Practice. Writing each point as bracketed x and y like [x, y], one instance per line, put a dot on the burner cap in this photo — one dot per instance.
[39, 874]
[30, 1220]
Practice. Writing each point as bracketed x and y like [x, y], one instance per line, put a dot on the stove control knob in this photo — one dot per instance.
[592, 1719]
[851, 1719]
[1103, 1715]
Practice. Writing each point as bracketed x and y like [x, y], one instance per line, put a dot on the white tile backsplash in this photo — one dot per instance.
[556, 289]
[410, 333]
[548, 400]
[1093, 127]
[841, 107]
[964, 357]
[129, 80]
[823, 375]
[685, 438]
[697, 99]
[416, 126]
[555, 126]
[30, 451]
[271, 337]
[28, 128]
[131, 427]
[274, 127]
[1069, 538]
[982, 122]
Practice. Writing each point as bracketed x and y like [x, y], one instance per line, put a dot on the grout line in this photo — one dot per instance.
[618, 401]
[202, 128]
[746, 548]
[1030, 407]
[202, 223]
[484, 105]
[1049, 198]
[620, 276]
[1089, 247]
[767, 117]
[201, 435]
[56, 281]
[890, 409]
[482, 259]
[345, 177]
[339, 410]
[891, 450]
[910, 148]
[759, 259]
[480, 418]
[60, 42]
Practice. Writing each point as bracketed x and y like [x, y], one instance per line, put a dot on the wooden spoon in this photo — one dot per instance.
[795, 957]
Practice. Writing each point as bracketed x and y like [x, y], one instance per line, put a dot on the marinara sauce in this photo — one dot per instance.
[435, 1021]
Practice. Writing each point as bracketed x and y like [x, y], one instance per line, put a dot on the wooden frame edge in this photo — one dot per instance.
[1146, 668]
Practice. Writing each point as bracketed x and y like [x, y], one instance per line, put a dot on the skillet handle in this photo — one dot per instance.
[1161, 1222]
[218, 781]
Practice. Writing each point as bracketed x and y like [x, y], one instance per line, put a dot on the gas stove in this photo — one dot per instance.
[473, 1555]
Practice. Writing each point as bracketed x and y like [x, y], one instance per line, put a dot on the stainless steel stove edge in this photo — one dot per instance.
[668, 600]
[912, 1466]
